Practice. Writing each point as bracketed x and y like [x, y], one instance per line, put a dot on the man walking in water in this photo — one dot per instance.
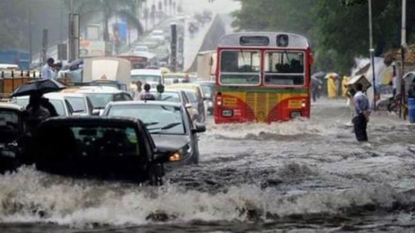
[361, 114]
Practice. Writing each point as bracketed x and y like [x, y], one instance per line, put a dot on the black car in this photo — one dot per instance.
[168, 123]
[11, 128]
[109, 148]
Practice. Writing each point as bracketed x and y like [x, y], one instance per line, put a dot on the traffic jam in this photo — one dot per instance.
[130, 117]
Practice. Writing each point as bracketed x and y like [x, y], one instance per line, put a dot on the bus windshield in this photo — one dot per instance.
[284, 68]
[240, 67]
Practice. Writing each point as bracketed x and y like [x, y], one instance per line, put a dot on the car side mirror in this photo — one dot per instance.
[199, 128]
[95, 112]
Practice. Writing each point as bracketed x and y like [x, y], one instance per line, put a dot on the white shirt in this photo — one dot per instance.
[47, 72]
[394, 80]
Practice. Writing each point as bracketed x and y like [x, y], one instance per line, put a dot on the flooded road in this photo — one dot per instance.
[301, 176]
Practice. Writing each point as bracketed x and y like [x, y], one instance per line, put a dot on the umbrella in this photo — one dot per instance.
[318, 74]
[316, 81]
[332, 75]
[39, 86]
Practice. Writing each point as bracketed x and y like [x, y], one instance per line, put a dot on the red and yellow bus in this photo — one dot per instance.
[262, 77]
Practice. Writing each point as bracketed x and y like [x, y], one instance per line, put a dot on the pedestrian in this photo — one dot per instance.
[36, 113]
[186, 78]
[48, 71]
[361, 114]
[139, 89]
[146, 95]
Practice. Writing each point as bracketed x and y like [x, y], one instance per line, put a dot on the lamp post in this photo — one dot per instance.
[403, 50]
[372, 55]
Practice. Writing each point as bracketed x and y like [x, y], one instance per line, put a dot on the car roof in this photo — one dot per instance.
[91, 120]
[146, 71]
[54, 96]
[100, 91]
[148, 102]
[65, 94]
[11, 106]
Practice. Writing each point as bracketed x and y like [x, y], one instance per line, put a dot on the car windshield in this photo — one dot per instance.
[58, 104]
[9, 125]
[207, 88]
[140, 49]
[160, 119]
[91, 140]
[167, 96]
[145, 78]
[78, 104]
[191, 96]
[100, 100]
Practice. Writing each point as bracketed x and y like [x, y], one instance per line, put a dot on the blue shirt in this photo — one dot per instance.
[361, 103]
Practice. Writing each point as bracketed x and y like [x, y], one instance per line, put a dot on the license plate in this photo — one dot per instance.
[295, 104]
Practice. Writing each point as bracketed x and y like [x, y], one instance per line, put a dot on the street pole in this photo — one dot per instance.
[403, 50]
[372, 55]
[71, 43]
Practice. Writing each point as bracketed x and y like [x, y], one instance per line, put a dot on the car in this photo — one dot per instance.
[97, 147]
[81, 104]
[151, 76]
[61, 104]
[196, 96]
[177, 96]
[209, 91]
[168, 123]
[101, 97]
[140, 49]
[12, 127]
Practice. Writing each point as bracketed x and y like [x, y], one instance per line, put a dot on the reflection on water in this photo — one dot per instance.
[307, 174]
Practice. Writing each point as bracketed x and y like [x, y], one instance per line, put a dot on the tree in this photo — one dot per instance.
[338, 29]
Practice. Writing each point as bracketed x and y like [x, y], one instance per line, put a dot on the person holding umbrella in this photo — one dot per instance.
[36, 113]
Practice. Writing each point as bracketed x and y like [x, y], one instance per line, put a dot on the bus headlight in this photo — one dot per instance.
[227, 113]
[295, 114]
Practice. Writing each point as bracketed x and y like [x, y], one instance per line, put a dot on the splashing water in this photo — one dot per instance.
[248, 173]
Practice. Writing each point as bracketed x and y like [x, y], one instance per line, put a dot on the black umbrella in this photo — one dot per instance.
[39, 86]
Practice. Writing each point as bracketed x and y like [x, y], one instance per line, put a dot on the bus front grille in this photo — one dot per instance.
[260, 104]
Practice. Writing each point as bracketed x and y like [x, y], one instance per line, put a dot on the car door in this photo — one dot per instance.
[192, 112]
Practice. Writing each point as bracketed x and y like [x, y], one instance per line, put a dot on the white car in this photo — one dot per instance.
[101, 97]
[80, 103]
[62, 106]
[140, 49]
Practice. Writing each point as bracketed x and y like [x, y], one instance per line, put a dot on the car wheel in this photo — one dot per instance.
[196, 155]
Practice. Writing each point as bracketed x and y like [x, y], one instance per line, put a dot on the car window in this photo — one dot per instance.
[9, 125]
[191, 96]
[89, 140]
[118, 97]
[127, 97]
[167, 96]
[100, 100]
[78, 104]
[186, 100]
[58, 104]
[159, 119]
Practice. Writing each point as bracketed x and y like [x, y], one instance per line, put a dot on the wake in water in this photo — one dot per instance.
[281, 173]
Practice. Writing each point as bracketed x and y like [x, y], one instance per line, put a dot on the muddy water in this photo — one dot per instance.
[301, 176]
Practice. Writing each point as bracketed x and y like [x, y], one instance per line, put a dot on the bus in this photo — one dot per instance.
[262, 77]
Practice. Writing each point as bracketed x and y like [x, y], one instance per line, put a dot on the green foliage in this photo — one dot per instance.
[338, 29]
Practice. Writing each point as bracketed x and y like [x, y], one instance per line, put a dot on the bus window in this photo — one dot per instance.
[240, 67]
[284, 68]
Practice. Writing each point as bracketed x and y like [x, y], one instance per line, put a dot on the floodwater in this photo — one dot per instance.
[301, 176]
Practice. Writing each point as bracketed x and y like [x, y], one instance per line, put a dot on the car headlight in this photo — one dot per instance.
[182, 153]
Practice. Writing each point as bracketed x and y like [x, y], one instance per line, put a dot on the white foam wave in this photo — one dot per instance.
[25, 195]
